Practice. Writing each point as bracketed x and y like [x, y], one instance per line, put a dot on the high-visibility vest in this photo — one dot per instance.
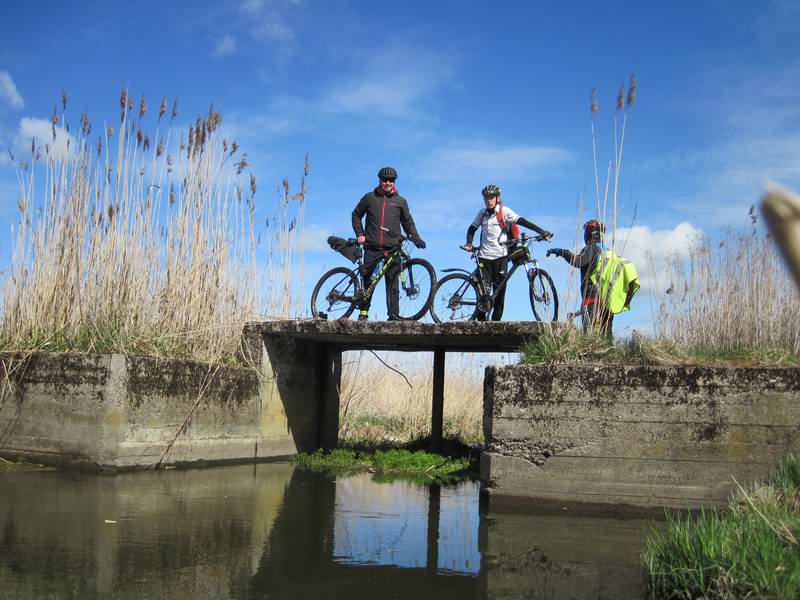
[616, 281]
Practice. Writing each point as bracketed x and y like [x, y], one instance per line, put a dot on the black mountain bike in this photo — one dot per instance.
[340, 291]
[462, 295]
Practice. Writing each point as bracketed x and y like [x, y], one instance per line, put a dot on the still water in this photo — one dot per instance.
[275, 531]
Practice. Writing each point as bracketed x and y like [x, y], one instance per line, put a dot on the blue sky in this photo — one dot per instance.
[454, 95]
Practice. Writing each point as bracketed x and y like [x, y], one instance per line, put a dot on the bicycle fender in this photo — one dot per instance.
[456, 271]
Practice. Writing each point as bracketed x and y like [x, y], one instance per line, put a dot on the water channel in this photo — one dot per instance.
[275, 531]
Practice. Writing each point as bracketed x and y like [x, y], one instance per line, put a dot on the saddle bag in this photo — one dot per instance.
[346, 247]
[518, 254]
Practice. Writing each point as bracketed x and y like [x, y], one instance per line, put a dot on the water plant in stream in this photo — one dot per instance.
[393, 462]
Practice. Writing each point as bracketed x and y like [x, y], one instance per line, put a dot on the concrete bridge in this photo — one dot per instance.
[114, 411]
[302, 360]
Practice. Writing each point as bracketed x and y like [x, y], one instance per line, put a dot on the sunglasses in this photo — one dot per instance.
[385, 180]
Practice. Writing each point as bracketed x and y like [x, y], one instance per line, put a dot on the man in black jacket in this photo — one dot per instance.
[386, 212]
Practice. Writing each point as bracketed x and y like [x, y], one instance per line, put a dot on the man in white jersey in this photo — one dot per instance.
[497, 223]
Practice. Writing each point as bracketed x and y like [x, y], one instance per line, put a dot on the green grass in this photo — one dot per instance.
[391, 463]
[749, 550]
[571, 346]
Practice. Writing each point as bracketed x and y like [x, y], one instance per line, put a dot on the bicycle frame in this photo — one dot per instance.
[485, 286]
[397, 255]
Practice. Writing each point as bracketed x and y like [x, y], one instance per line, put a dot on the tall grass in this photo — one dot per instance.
[750, 550]
[731, 295]
[141, 239]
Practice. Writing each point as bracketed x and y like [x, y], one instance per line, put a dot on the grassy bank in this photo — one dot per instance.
[397, 462]
[749, 550]
[575, 347]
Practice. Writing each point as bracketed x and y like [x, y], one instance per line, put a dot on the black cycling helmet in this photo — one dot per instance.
[387, 173]
[490, 191]
[593, 230]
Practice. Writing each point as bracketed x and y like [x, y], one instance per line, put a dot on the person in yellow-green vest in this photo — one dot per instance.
[607, 282]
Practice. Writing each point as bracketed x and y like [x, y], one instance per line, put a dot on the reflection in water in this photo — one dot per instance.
[406, 525]
[271, 531]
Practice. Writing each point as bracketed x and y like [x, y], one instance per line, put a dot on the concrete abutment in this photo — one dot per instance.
[645, 436]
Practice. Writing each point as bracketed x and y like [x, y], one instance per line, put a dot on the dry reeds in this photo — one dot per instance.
[382, 405]
[129, 246]
[731, 294]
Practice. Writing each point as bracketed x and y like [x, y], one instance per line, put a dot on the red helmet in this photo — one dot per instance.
[593, 230]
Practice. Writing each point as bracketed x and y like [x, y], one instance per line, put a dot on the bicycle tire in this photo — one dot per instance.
[450, 294]
[542, 292]
[417, 282]
[343, 299]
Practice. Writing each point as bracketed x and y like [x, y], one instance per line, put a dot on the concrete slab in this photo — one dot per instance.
[408, 336]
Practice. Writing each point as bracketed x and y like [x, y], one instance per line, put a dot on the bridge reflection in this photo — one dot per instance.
[350, 537]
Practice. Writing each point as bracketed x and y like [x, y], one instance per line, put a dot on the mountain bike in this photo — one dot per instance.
[462, 296]
[339, 291]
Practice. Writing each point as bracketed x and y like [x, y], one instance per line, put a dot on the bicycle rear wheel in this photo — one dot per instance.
[544, 299]
[334, 296]
[455, 299]
[415, 283]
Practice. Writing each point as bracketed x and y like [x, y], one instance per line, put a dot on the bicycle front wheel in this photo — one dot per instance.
[334, 296]
[414, 283]
[455, 299]
[544, 299]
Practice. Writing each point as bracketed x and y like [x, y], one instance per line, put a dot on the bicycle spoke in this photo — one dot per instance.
[543, 296]
[414, 288]
[334, 294]
[455, 299]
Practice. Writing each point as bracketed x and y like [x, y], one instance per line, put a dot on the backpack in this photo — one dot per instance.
[616, 280]
[513, 231]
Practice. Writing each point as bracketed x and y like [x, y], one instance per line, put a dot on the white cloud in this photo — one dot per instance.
[415, 75]
[266, 20]
[649, 248]
[416, 78]
[34, 133]
[497, 163]
[226, 46]
[253, 7]
[8, 91]
[316, 238]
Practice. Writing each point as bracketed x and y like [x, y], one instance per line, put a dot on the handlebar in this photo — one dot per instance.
[400, 237]
[522, 239]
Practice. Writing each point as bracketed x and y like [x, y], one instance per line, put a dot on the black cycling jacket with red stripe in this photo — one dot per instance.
[383, 210]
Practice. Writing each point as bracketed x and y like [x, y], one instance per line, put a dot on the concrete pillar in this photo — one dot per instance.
[290, 395]
[329, 381]
[437, 408]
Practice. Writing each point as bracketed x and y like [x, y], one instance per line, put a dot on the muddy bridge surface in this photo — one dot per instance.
[302, 360]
